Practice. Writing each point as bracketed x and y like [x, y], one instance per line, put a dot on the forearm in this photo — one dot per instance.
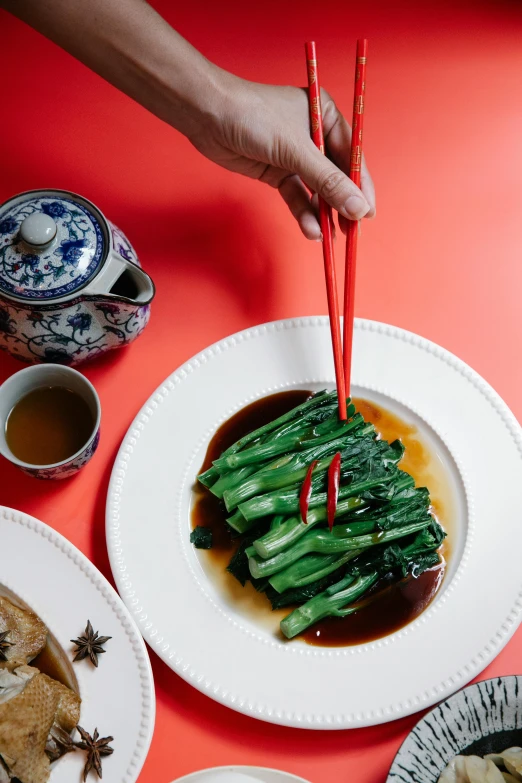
[259, 130]
[133, 47]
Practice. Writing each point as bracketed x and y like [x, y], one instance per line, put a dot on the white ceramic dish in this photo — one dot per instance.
[51, 576]
[211, 641]
[262, 774]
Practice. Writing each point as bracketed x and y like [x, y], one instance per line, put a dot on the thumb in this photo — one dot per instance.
[333, 185]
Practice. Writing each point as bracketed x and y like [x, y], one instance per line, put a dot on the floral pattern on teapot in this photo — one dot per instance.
[55, 271]
[73, 331]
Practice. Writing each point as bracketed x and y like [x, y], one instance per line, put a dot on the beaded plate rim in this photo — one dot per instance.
[101, 585]
[183, 667]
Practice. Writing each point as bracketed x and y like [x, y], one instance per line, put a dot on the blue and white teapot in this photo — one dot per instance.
[71, 286]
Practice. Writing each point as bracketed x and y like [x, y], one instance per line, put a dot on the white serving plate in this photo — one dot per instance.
[210, 640]
[262, 774]
[56, 581]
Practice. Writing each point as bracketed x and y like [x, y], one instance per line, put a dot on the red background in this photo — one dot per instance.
[442, 258]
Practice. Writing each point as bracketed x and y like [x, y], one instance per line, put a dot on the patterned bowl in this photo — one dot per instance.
[483, 718]
[44, 375]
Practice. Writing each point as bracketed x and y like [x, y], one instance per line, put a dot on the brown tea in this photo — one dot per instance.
[48, 425]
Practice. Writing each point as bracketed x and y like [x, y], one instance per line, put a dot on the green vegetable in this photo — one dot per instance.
[298, 440]
[336, 600]
[299, 595]
[209, 477]
[287, 501]
[383, 525]
[201, 537]
[309, 569]
[326, 605]
[291, 468]
[238, 522]
[293, 528]
[230, 480]
[341, 539]
[316, 401]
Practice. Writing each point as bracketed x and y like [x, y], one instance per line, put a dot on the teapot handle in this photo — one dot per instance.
[122, 279]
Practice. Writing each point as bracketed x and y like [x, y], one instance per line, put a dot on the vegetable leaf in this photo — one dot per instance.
[201, 537]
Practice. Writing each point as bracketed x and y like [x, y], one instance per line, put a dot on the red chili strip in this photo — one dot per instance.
[334, 476]
[306, 492]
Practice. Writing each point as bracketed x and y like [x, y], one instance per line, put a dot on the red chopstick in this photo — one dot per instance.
[353, 225]
[325, 221]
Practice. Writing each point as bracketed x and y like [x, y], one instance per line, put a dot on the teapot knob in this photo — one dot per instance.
[38, 230]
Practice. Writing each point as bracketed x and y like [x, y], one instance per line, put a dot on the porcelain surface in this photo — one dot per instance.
[164, 579]
[484, 718]
[59, 267]
[117, 697]
[69, 468]
[47, 375]
[56, 303]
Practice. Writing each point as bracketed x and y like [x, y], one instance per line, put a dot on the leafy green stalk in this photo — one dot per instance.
[325, 542]
[317, 400]
[208, 477]
[292, 468]
[238, 522]
[335, 601]
[232, 479]
[287, 501]
[309, 569]
[325, 605]
[312, 409]
[301, 548]
[293, 528]
[300, 440]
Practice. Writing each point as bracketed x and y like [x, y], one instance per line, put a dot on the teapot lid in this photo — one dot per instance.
[52, 243]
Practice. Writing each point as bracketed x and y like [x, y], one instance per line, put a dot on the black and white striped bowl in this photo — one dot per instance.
[484, 718]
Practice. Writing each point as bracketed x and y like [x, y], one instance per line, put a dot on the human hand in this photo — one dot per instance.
[259, 130]
[263, 132]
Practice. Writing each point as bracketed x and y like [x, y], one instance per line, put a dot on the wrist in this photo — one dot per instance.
[201, 97]
[184, 88]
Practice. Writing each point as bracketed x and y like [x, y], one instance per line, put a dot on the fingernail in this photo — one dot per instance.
[319, 239]
[355, 208]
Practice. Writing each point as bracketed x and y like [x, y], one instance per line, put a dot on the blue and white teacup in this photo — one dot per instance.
[44, 375]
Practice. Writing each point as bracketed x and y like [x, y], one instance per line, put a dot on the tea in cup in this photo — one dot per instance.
[49, 420]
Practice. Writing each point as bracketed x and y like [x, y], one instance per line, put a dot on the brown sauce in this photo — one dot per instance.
[48, 425]
[418, 460]
[53, 660]
[385, 609]
[54, 664]
[389, 606]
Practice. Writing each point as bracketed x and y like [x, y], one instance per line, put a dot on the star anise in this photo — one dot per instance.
[59, 742]
[90, 645]
[96, 748]
[4, 644]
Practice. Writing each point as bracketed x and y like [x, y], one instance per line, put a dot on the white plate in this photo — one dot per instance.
[52, 577]
[209, 640]
[262, 774]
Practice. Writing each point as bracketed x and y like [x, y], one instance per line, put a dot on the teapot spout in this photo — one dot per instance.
[124, 280]
[133, 284]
